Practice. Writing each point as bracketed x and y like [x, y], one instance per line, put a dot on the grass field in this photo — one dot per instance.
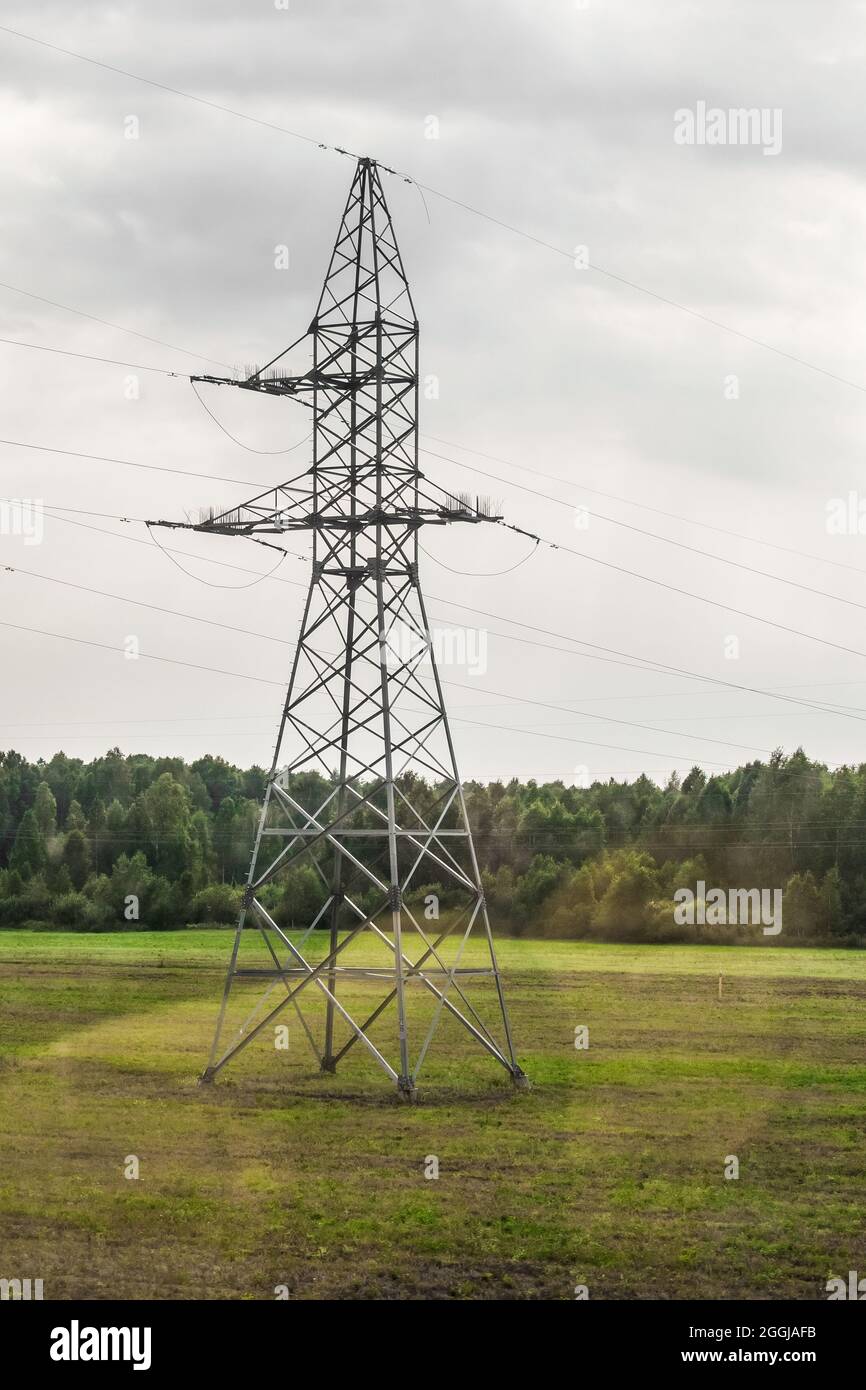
[609, 1173]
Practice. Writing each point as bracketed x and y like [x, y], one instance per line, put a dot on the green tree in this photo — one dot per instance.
[76, 858]
[540, 879]
[63, 775]
[28, 855]
[625, 909]
[45, 809]
[76, 819]
[831, 898]
[115, 833]
[219, 777]
[223, 837]
[98, 834]
[201, 851]
[167, 808]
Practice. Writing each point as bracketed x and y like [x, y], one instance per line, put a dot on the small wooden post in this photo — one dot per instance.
[720, 986]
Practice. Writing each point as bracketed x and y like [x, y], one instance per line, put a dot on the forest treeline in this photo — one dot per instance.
[83, 840]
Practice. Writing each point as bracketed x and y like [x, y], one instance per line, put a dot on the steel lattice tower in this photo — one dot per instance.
[365, 707]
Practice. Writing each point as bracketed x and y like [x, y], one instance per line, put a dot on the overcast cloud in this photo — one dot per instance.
[557, 118]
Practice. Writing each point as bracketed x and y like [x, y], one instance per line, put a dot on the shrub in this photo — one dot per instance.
[221, 902]
[73, 911]
[33, 902]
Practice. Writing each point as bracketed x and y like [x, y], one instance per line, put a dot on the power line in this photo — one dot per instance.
[210, 584]
[448, 198]
[101, 593]
[80, 511]
[172, 550]
[656, 668]
[476, 212]
[484, 574]
[106, 323]
[457, 462]
[174, 91]
[642, 289]
[141, 656]
[88, 357]
[153, 543]
[605, 719]
[617, 747]
[642, 506]
[458, 683]
[558, 501]
[513, 699]
[686, 593]
[130, 463]
[662, 667]
[652, 535]
[109, 723]
[243, 675]
[748, 714]
[523, 839]
[249, 448]
[250, 482]
[154, 608]
[530, 839]
[265, 714]
[510, 777]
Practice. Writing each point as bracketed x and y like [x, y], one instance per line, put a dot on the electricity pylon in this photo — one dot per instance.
[370, 799]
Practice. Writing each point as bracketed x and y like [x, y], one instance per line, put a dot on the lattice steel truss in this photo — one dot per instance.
[371, 797]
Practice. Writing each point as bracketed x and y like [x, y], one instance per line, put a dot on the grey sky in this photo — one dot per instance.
[559, 119]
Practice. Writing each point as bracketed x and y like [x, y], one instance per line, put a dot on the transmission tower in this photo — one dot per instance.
[370, 799]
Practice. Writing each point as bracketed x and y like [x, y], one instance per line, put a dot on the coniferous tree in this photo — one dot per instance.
[45, 808]
[76, 858]
[28, 856]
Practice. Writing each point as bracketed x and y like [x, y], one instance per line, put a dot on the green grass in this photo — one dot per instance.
[609, 1172]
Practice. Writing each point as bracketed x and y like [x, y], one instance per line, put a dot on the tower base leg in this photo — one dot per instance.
[207, 1076]
[329, 1065]
[520, 1080]
[406, 1091]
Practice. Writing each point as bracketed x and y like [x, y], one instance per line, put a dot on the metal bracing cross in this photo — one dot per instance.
[370, 797]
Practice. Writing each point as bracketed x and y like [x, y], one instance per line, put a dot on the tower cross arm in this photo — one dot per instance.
[254, 518]
[271, 379]
[267, 381]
